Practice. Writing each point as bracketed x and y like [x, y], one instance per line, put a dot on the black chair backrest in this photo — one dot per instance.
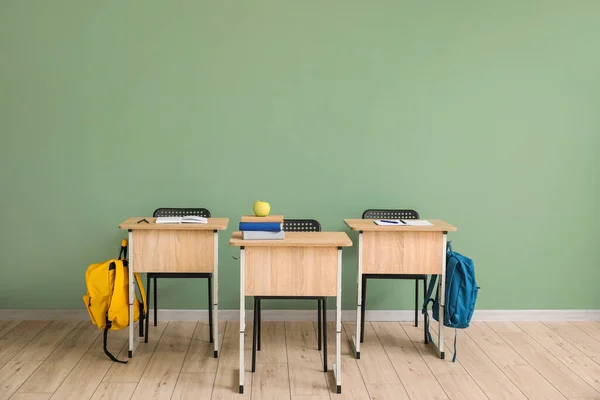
[181, 212]
[301, 225]
[390, 214]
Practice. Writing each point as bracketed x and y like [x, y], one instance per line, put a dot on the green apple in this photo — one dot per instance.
[261, 208]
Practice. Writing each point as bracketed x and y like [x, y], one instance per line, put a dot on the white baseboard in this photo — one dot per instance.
[307, 315]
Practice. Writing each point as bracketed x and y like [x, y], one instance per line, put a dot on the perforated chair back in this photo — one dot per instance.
[181, 212]
[390, 214]
[301, 225]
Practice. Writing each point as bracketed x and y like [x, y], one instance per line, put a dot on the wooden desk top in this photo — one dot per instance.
[370, 225]
[297, 239]
[218, 224]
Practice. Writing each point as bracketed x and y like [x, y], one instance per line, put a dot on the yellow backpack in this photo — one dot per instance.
[107, 299]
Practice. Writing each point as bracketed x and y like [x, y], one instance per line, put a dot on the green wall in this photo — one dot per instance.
[484, 115]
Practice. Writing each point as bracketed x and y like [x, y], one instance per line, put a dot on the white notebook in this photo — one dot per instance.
[403, 222]
[263, 235]
[188, 219]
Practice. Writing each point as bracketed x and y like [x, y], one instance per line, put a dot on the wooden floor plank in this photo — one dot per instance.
[460, 387]
[488, 376]
[227, 379]
[15, 340]
[382, 391]
[230, 354]
[577, 337]
[13, 374]
[493, 345]
[531, 382]
[505, 356]
[86, 375]
[133, 370]
[549, 339]
[53, 371]
[273, 347]
[194, 386]
[375, 367]
[374, 364]
[299, 326]
[353, 385]
[271, 382]
[200, 356]
[565, 380]
[160, 376]
[587, 369]
[304, 362]
[592, 328]
[23, 365]
[31, 396]
[584, 398]
[506, 327]
[412, 370]
[430, 354]
[114, 391]
[40, 347]
[7, 326]
[54, 360]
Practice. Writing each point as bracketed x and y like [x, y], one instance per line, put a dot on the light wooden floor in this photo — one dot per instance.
[496, 360]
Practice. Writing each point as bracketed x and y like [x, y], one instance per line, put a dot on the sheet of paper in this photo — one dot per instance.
[417, 222]
[391, 222]
[168, 220]
[403, 222]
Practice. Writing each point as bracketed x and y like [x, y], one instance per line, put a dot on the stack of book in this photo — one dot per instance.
[262, 228]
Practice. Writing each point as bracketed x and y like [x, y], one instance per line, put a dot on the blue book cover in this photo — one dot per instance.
[260, 226]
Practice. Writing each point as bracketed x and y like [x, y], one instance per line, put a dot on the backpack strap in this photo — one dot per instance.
[429, 299]
[106, 329]
[123, 252]
[142, 293]
[119, 280]
[454, 356]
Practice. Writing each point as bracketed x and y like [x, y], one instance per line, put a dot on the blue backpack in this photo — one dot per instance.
[461, 293]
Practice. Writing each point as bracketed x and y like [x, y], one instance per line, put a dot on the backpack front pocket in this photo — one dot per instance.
[96, 307]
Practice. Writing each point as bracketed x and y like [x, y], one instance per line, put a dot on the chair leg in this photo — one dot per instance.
[416, 302]
[148, 307]
[319, 324]
[259, 322]
[363, 309]
[210, 308]
[141, 320]
[155, 301]
[254, 334]
[324, 334]
[426, 315]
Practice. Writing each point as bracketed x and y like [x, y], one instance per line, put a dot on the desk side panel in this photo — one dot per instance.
[402, 252]
[290, 271]
[173, 251]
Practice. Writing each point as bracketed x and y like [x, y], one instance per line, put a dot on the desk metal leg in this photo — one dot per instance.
[359, 305]
[215, 305]
[337, 370]
[242, 319]
[442, 303]
[131, 294]
[148, 290]
[324, 333]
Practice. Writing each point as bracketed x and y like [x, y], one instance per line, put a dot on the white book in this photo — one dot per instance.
[188, 219]
[263, 235]
[404, 222]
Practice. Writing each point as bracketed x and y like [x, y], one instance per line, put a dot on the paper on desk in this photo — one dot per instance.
[407, 222]
[417, 222]
[391, 222]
